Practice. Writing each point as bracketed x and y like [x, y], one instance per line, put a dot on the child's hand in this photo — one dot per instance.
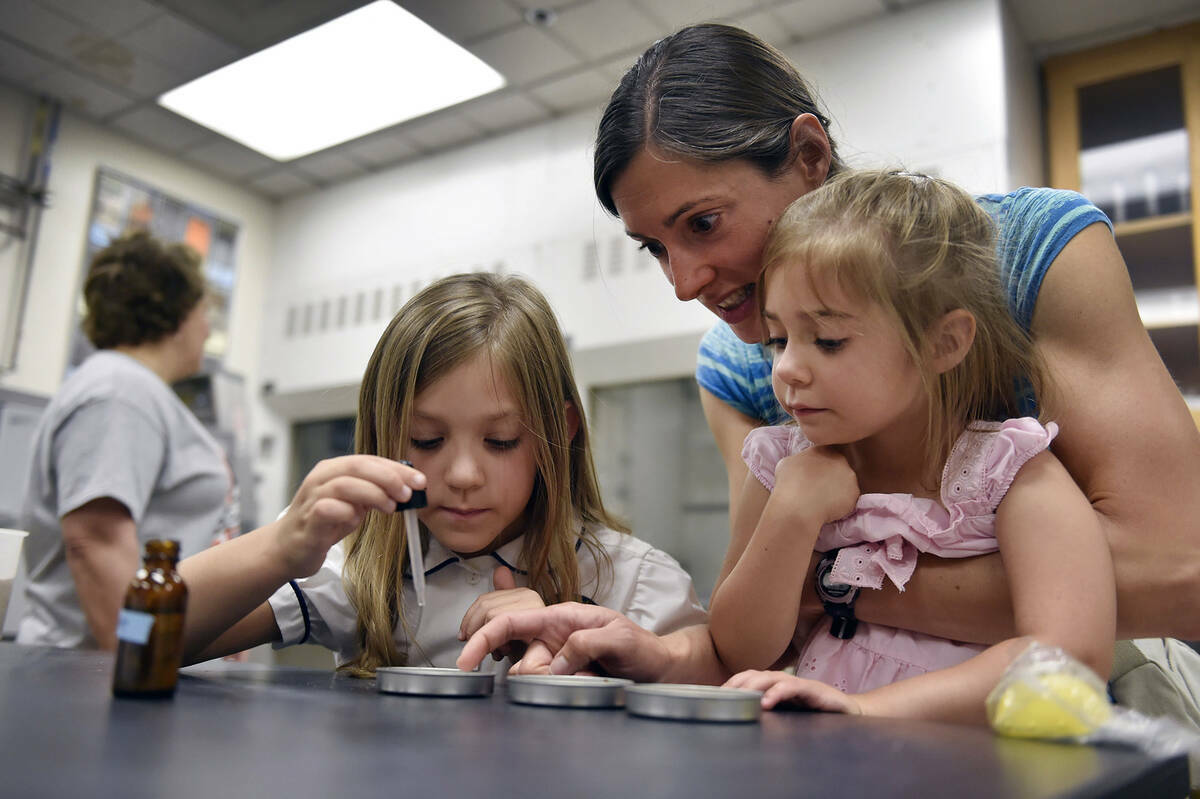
[779, 686]
[332, 501]
[507, 598]
[819, 483]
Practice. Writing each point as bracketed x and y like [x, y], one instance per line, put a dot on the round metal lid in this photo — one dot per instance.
[693, 702]
[427, 681]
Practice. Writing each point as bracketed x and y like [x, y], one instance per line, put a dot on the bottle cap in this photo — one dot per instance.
[417, 500]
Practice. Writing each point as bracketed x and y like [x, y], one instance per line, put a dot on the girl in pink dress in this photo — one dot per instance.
[911, 390]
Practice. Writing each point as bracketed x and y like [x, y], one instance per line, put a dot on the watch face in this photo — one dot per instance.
[834, 590]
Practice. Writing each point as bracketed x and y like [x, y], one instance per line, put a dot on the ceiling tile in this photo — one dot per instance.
[582, 89]
[18, 65]
[112, 17]
[615, 68]
[115, 64]
[329, 167]
[80, 94]
[676, 14]
[230, 158]
[465, 20]
[441, 131]
[381, 149]
[504, 112]
[181, 46]
[282, 184]
[525, 54]
[251, 25]
[765, 26]
[40, 28]
[600, 29]
[162, 128]
[808, 18]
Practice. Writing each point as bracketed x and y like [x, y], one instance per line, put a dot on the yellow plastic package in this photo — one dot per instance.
[1045, 693]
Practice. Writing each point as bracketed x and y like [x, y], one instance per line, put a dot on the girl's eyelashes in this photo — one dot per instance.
[829, 344]
[777, 344]
[499, 444]
[653, 247]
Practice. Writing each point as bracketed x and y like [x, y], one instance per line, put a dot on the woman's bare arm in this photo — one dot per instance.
[101, 545]
[1127, 436]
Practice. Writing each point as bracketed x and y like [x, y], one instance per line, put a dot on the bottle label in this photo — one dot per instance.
[134, 626]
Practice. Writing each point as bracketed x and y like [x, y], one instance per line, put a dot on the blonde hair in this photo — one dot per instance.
[918, 247]
[446, 324]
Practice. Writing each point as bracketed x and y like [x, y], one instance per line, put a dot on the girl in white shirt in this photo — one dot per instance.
[471, 382]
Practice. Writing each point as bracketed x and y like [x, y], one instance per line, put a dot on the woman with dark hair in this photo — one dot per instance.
[118, 458]
[707, 139]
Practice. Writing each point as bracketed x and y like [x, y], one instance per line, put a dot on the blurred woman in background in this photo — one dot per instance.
[118, 458]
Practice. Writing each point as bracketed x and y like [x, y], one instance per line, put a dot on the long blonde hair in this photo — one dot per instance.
[919, 247]
[441, 327]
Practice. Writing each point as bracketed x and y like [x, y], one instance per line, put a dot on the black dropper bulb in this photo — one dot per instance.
[417, 500]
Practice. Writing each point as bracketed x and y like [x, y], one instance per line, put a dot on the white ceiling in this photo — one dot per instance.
[109, 59]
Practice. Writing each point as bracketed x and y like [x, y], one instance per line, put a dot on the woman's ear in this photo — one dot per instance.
[572, 420]
[950, 339]
[810, 146]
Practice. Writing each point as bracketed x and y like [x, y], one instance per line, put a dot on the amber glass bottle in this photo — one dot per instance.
[150, 627]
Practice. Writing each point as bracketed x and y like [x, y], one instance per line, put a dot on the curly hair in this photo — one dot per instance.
[139, 290]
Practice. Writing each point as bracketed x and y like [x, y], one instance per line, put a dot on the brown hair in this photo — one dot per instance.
[443, 326]
[919, 247]
[139, 290]
[707, 92]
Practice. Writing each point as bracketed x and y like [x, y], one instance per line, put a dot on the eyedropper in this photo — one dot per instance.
[416, 559]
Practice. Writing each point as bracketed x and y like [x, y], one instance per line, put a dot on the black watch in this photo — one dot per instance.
[838, 598]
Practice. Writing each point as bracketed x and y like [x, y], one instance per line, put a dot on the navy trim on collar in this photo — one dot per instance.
[499, 559]
[504, 562]
[303, 610]
[439, 567]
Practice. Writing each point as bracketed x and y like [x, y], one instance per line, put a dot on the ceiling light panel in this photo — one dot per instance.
[367, 70]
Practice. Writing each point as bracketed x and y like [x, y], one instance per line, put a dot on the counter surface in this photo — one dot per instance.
[254, 731]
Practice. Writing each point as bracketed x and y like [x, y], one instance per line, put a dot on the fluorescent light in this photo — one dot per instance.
[366, 70]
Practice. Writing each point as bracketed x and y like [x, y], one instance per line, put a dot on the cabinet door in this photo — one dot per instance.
[1124, 127]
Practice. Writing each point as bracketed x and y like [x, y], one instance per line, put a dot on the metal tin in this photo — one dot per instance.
[433, 682]
[693, 702]
[566, 690]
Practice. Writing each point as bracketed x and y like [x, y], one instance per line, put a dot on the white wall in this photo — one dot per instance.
[1025, 124]
[58, 263]
[923, 89]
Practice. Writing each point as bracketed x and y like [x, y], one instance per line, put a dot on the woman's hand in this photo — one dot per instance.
[781, 687]
[818, 483]
[507, 598]
[572, 638]
[331, 503]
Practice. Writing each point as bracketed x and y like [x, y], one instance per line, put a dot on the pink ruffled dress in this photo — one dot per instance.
[882, 537]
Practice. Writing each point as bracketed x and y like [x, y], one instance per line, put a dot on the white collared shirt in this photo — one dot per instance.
[645, 584]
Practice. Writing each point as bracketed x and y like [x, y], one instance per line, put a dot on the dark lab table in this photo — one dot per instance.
[262, 732]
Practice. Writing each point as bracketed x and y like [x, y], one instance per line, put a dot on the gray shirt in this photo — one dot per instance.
[116, 430]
